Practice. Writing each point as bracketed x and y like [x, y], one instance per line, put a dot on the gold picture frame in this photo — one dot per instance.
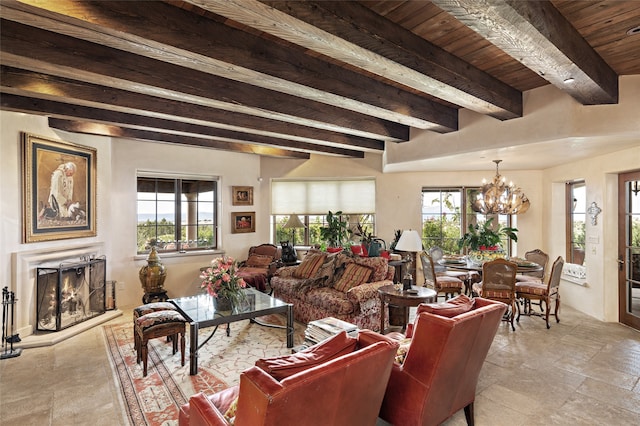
[59, 189]
[242, 195]
[243, 222]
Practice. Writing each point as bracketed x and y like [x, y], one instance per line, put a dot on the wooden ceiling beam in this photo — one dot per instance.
[354, 34]
[122, 132]
[73, 58]
[537, 35]
[183, 38]
[40, 85]
[112, 120]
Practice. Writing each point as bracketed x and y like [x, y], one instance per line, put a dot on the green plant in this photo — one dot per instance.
[484, 237]
[336, 231]
[396, 237]
[366, 236]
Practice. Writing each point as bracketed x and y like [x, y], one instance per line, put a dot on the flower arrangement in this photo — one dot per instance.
[222, 281]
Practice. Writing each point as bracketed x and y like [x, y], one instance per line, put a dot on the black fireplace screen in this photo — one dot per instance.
[72, 293]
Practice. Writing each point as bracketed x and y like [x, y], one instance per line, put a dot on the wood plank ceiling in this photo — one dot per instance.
[290, 78]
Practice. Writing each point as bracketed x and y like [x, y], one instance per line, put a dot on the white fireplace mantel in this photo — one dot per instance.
[23, 277]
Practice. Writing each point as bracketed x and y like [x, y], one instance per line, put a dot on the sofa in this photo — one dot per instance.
[327, 384]
[334, 285]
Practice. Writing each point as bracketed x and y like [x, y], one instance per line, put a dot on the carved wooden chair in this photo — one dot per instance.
[441, 283]
[499, 283]
[533, 290]
[539, 257]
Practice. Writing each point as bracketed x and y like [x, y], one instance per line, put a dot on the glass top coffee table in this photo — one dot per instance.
[199, 311]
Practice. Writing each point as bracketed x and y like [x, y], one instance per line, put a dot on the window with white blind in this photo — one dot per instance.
[312, 199]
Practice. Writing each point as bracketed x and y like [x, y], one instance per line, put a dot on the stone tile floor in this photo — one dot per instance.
[579, 372]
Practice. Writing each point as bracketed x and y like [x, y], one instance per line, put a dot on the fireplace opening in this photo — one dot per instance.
[71, 293]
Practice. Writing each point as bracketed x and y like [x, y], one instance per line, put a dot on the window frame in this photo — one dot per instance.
[303, 236]
[570, 214]
[465, 213]
[177, 198]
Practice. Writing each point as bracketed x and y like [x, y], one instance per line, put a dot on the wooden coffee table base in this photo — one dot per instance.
[404, 299]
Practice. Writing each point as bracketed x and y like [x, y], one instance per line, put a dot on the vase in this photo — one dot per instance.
[153, 274]
[222, 303]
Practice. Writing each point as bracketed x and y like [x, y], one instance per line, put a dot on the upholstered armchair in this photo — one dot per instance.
[340, 381]
[261, 263]
[439, 373]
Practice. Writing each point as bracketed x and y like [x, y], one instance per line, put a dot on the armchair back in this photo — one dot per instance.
[440, 371]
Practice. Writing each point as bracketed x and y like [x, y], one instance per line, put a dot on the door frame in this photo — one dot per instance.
[623, 198]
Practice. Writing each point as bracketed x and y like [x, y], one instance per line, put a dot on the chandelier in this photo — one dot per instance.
[496, 197]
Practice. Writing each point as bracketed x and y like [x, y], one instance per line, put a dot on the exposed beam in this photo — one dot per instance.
[537, 35]
[122, 132]
[61, 110]
[206, 44]
[72, 58]
[35, 85]
[378, 46]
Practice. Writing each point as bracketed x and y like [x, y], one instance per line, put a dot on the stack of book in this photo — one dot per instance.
[322, 329]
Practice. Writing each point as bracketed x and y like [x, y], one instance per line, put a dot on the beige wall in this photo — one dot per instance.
[398, 202]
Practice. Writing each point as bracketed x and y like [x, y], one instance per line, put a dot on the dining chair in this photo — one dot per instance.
[532, 290]
[441, 283]
[499, 283]
[539, 257]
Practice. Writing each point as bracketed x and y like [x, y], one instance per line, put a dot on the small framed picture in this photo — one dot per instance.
[242, 195]
[243, 222]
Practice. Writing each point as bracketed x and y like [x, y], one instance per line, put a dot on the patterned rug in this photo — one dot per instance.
[155, 400]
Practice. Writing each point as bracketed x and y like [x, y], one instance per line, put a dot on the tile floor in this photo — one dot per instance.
[580, 372]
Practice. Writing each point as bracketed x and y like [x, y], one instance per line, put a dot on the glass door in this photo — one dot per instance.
[629, 248]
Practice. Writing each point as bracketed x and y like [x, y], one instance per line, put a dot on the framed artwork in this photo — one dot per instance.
[242, 195]
[243, 222]
[59, 189]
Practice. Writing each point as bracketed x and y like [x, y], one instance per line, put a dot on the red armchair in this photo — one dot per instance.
[262, 261]
[340, 381]
[440, 371]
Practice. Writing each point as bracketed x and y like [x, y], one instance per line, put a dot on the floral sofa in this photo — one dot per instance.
[334, 285]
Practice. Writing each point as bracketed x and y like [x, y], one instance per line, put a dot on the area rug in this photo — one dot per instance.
[156, 399]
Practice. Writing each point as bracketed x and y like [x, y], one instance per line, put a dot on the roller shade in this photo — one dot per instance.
[319, 196]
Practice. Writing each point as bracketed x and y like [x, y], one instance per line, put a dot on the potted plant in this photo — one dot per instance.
[336, 231]
[483, 238]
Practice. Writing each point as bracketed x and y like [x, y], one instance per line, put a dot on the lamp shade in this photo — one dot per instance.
[409, 241]
[293, 222]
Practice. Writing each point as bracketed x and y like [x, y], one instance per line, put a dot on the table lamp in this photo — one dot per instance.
[293, 223]
[409, 241]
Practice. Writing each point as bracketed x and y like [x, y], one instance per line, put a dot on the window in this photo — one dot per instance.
[310, 234]
[311, 200]
[443, 222]
[576, 221]
[176, 214]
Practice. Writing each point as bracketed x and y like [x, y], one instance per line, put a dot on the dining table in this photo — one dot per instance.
[524, 266]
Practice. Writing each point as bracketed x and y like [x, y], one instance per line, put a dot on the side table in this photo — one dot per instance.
[405, 299]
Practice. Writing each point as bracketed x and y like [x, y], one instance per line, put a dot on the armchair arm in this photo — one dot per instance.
[285, 271]
[365, 292]
[202, 412]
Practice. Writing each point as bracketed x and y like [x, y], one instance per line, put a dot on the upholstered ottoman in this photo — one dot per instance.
[159, 324]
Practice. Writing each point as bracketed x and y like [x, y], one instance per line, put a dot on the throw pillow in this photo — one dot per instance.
[230, 414]
[281, 367]
[325, 272]
[353, 276]
[380, 266]
[451, 308]
[310, 265]
[259, 261]
[401, 353]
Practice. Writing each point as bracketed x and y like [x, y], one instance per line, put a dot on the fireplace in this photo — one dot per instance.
[70, 293]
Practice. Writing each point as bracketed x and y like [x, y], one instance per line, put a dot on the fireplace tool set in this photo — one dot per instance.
[8, 326]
